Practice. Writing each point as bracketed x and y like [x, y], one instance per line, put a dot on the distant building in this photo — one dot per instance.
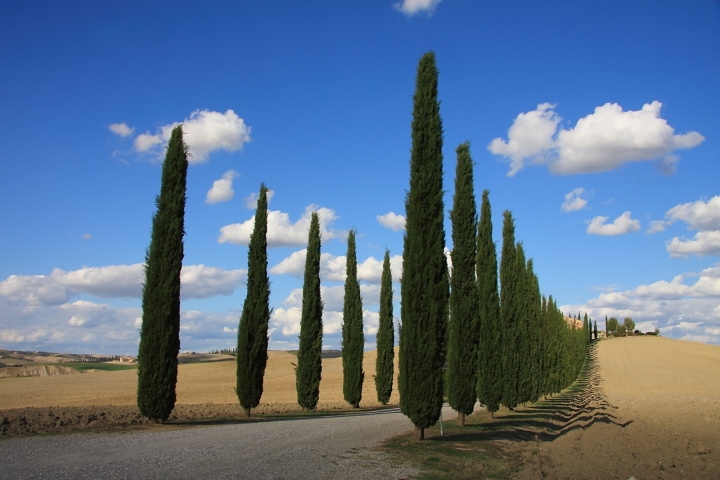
[570, 321]
[127, 360]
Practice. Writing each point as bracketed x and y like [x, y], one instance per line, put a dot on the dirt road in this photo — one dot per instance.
[321, 447]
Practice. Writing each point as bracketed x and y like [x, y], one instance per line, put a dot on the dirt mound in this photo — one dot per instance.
[36, 371]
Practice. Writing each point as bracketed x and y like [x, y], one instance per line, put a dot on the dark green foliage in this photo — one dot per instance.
[612, 324]
[595, 331]
[384, 368]
[463, 334]
[160, 333]
[252, 332]
[522, 293]
[535, 337]
[309, 367]
[353, 339]
[424, 285]
[489, 370]
[508, 312]
[629, 324]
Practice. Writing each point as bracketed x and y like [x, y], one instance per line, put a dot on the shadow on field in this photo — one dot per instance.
[578, 407]
[491, 447]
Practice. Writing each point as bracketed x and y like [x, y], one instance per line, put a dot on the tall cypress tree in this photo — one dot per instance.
[489, 370]
[522, 294]
[160, 333]
[508, 312]
[353, 339]
[309, 367]
[595, 330]
[384, 368]
[463, 335]
[424, 286]
[253, 330]
[535, 333]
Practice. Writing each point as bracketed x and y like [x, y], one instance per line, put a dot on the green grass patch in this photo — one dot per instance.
[461, 453]
[107, 367]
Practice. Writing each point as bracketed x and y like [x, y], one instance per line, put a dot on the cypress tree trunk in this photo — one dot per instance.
[384, 368]
[160, 333]
[463, 334]
[424, 285]
[353, 339]
[508, 313]
[309, 367]
[490, 374]
[252, 332]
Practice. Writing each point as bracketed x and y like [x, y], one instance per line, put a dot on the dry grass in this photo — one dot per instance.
[198, 383]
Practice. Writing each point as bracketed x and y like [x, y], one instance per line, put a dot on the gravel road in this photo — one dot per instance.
[337, 446]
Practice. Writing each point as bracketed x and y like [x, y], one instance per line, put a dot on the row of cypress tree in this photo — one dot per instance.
[506, 348]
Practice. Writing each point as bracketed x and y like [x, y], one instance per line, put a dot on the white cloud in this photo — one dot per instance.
[121, 129]
[704, 243]
[412, 7]
[251, 200]
[530, 138]
[620, 226]
[602, 141]
[222, 190]
[700, 215]
[333, 268]
[146, 141]
[281, 232]
[199, 281]
[204, 131]
[574, 201]
[392, 221]
[656, 226]
[679, 309]
[288, 321]
[114, 281]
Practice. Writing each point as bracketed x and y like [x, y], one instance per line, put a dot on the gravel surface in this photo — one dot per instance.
[337, 446]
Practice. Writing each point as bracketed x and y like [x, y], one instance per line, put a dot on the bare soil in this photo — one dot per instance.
[650, 410]
[205, 393]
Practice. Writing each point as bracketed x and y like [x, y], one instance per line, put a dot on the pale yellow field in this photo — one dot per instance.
[199, 383]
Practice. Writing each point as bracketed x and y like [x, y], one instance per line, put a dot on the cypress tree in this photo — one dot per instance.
[384, 368]
[353, 339]
[160, 333]
[253, 330]
[424, 285]
[508, 312]
[595, 330]
[522, 293]
[463, 335]
[535, 333]
[309, 367]
[489, 369]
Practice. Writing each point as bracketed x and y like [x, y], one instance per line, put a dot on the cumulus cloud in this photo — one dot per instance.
[413, 7]
[121, 129]
[222, 190]
[602, 141]
[574, 201]
[281, 231]
[333, 268]
[204, 131]
[700, 215]
[688, 311]
[114, 281]
[620, 226]
[704, 243]
[251, 200]
[392, 221]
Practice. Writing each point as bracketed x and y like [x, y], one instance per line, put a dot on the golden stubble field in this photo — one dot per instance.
[198, 384]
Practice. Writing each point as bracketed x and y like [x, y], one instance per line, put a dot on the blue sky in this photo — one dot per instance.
[596, 124]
